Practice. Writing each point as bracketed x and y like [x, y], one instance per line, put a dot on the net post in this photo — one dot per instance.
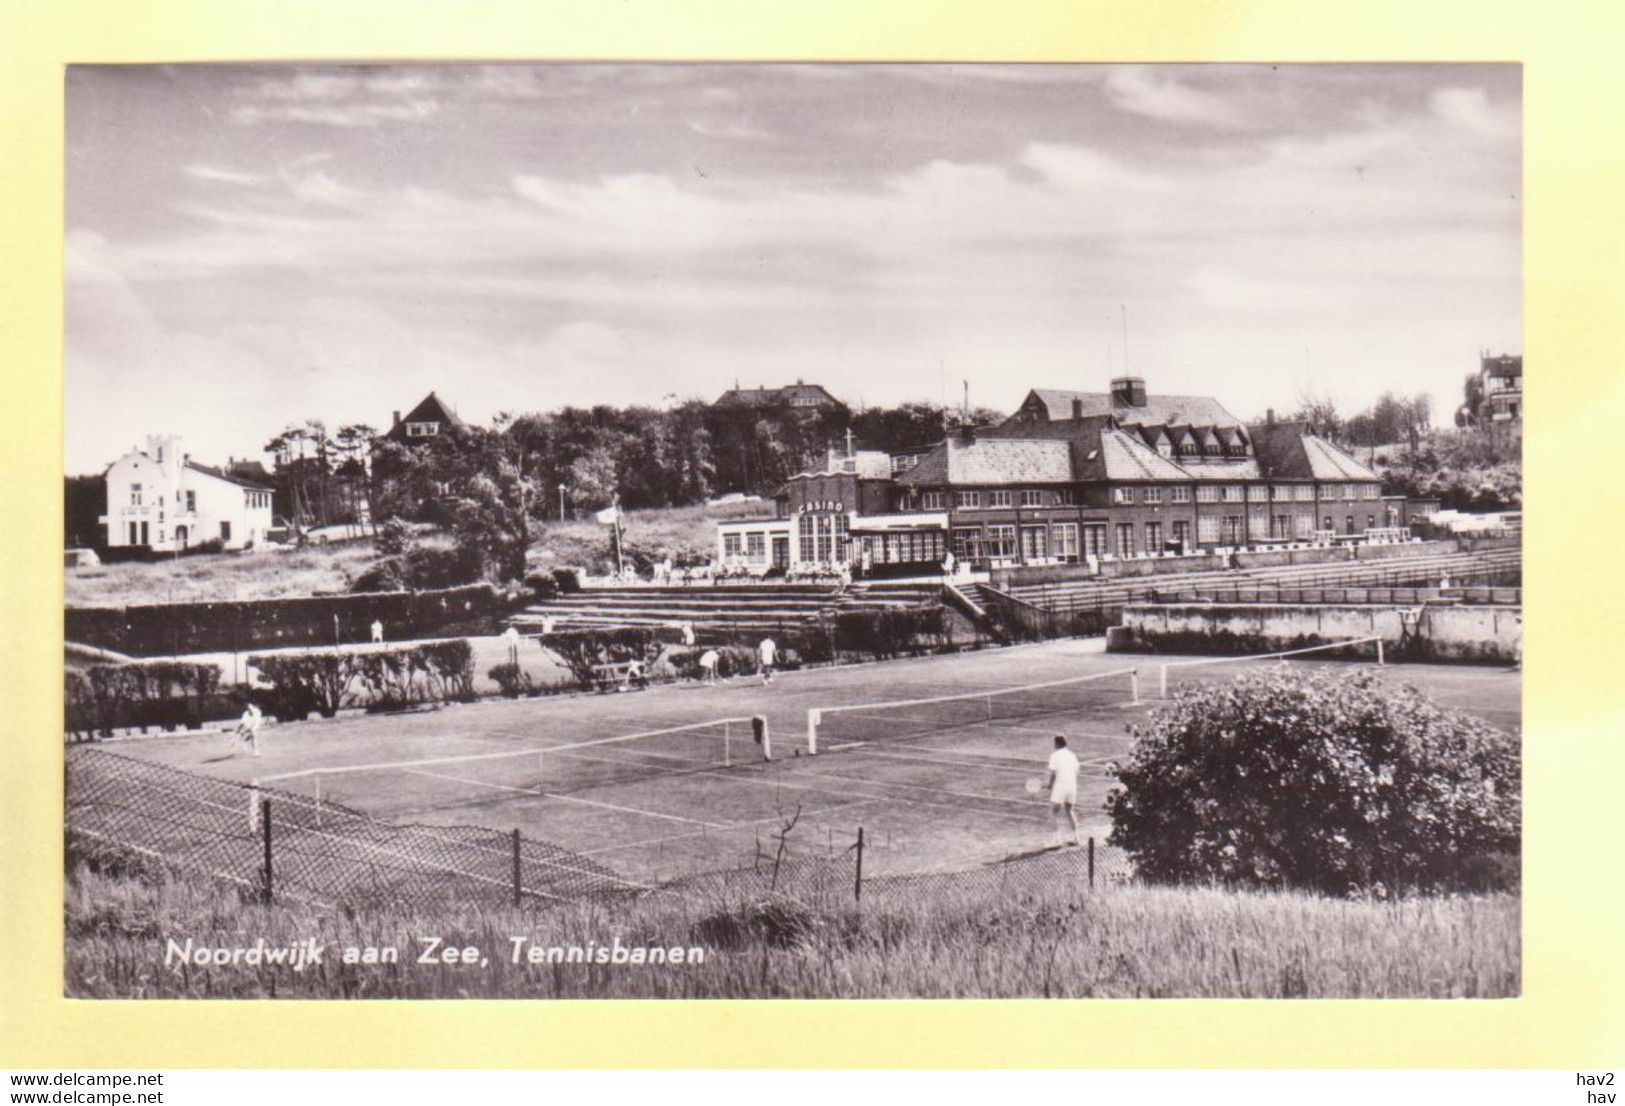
[516, 887]
[1134, 684]
[1091, 863]
[253, 806]
[541, 769]
[1380, 661]
[814, 717]
[265, 837]
[318, 799]
[758, 724]
[727, 744]
[1162, 682]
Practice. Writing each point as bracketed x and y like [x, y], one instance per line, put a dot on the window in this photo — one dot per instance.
[1370, 522]
[1181, 494]
[135, 533]
[908, 502]
[135, 495]
[1280, 526]
[1234, 533]
[1281, 492]
[843, 538]
[1348, 525]
[1257, 493]
[1152, 495]
[1330, 525]
[1207, 530]
[806, 540]
[1123, 496]
[1207, 493]
[1302, 526]
[1372, 491]
[191, 502]
[1164, 448]
[999, 499]
[971, 500]
[1125, 539]
[1233, 493]
[1094, 539]
[1153, 537]
[1068, 496]
[968, 543]
[422, 429]
[730, 545]
[999, 543]
[1182, 533]
[1033, 497]
[1063, 540]
[1305, 493]
[756, 546]
[931, 501]
[1034, 543]
[824, 528]
[1349, 491]
[225, 529]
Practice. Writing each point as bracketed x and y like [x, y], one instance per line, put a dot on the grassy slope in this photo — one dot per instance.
[676, 530]
[1126, 942]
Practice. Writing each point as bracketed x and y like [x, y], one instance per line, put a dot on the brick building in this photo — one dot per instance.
[1072, 476]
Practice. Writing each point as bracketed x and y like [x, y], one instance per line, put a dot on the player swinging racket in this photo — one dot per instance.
[248, 727]
[1063, 786]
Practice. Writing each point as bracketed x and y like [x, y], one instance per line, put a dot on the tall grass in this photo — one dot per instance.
[975, 942]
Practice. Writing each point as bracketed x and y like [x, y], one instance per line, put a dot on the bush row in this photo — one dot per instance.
[106, 697]
[301, 684]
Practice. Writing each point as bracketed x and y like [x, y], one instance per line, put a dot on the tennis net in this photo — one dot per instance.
[1052, 704]
[437, 783]
[1357, 649]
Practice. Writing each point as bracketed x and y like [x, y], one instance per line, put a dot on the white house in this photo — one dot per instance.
[161, 499]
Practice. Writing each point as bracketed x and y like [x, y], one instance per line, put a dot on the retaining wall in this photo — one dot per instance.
[1483, 634]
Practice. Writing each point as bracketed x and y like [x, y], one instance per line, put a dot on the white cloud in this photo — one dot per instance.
[222, 176]
[1141, 91]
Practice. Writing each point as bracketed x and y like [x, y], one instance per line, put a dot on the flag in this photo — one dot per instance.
[609, 516]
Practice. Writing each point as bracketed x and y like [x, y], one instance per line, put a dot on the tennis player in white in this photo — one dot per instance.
[767, 653]
[1063, 787]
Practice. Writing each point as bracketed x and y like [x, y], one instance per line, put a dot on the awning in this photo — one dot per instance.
[898, 524]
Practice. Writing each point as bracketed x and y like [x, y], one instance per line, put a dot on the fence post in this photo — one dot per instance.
[516, 867]
[265, 836]
[1091, 863]
[857, 882]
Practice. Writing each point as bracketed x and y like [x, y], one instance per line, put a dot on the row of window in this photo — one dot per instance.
[1150, 496]
[255, 499]
[824, 538]
[1070, 541]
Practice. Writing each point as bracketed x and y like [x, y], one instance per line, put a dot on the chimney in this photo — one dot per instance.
[1077, 408]
[1269, 417]
[1129, 390]
[967, 433]
[397, 421]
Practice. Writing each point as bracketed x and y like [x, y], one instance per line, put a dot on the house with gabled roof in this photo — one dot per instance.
[159, 499]
[799, 396]
[431, 418]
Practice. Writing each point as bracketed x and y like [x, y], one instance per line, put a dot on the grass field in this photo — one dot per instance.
[935, 786]
[952, 941]
[680, 531]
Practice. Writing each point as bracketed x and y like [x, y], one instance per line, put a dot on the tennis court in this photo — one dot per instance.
[931, 756]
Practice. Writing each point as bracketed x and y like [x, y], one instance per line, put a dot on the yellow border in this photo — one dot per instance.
[1571, 1010]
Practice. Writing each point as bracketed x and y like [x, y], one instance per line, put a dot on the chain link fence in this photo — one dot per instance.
[272, 843]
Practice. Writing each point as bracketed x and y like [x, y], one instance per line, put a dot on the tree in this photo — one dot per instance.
[1321, 413]
[1472, 399]
[1331, 782]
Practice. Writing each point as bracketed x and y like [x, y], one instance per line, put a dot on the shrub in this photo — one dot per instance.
[385, 575]
[302, 683]
[732, 660]
[891, 633]
[543, 585]
[449, 669]
[394, 538]
[512, 680]
[568, 579]
[1328, 782]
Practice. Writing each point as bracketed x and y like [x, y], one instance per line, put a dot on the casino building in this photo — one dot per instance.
[1072, 477]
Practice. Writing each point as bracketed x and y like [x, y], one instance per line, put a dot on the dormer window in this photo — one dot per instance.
[422, 429]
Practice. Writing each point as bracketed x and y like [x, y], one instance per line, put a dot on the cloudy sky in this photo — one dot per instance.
[253, 245]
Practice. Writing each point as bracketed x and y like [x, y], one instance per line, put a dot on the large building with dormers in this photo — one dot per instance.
[1071, 477]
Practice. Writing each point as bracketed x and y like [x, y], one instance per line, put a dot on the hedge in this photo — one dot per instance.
[240, 625]
[169, 694]
[301, 684]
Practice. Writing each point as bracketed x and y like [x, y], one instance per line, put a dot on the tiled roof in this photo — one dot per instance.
[219, 474]
[1292, 450]
[773, 397]
[433, 409]
[1159, 410]
[1126, 457]
[993, 461]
